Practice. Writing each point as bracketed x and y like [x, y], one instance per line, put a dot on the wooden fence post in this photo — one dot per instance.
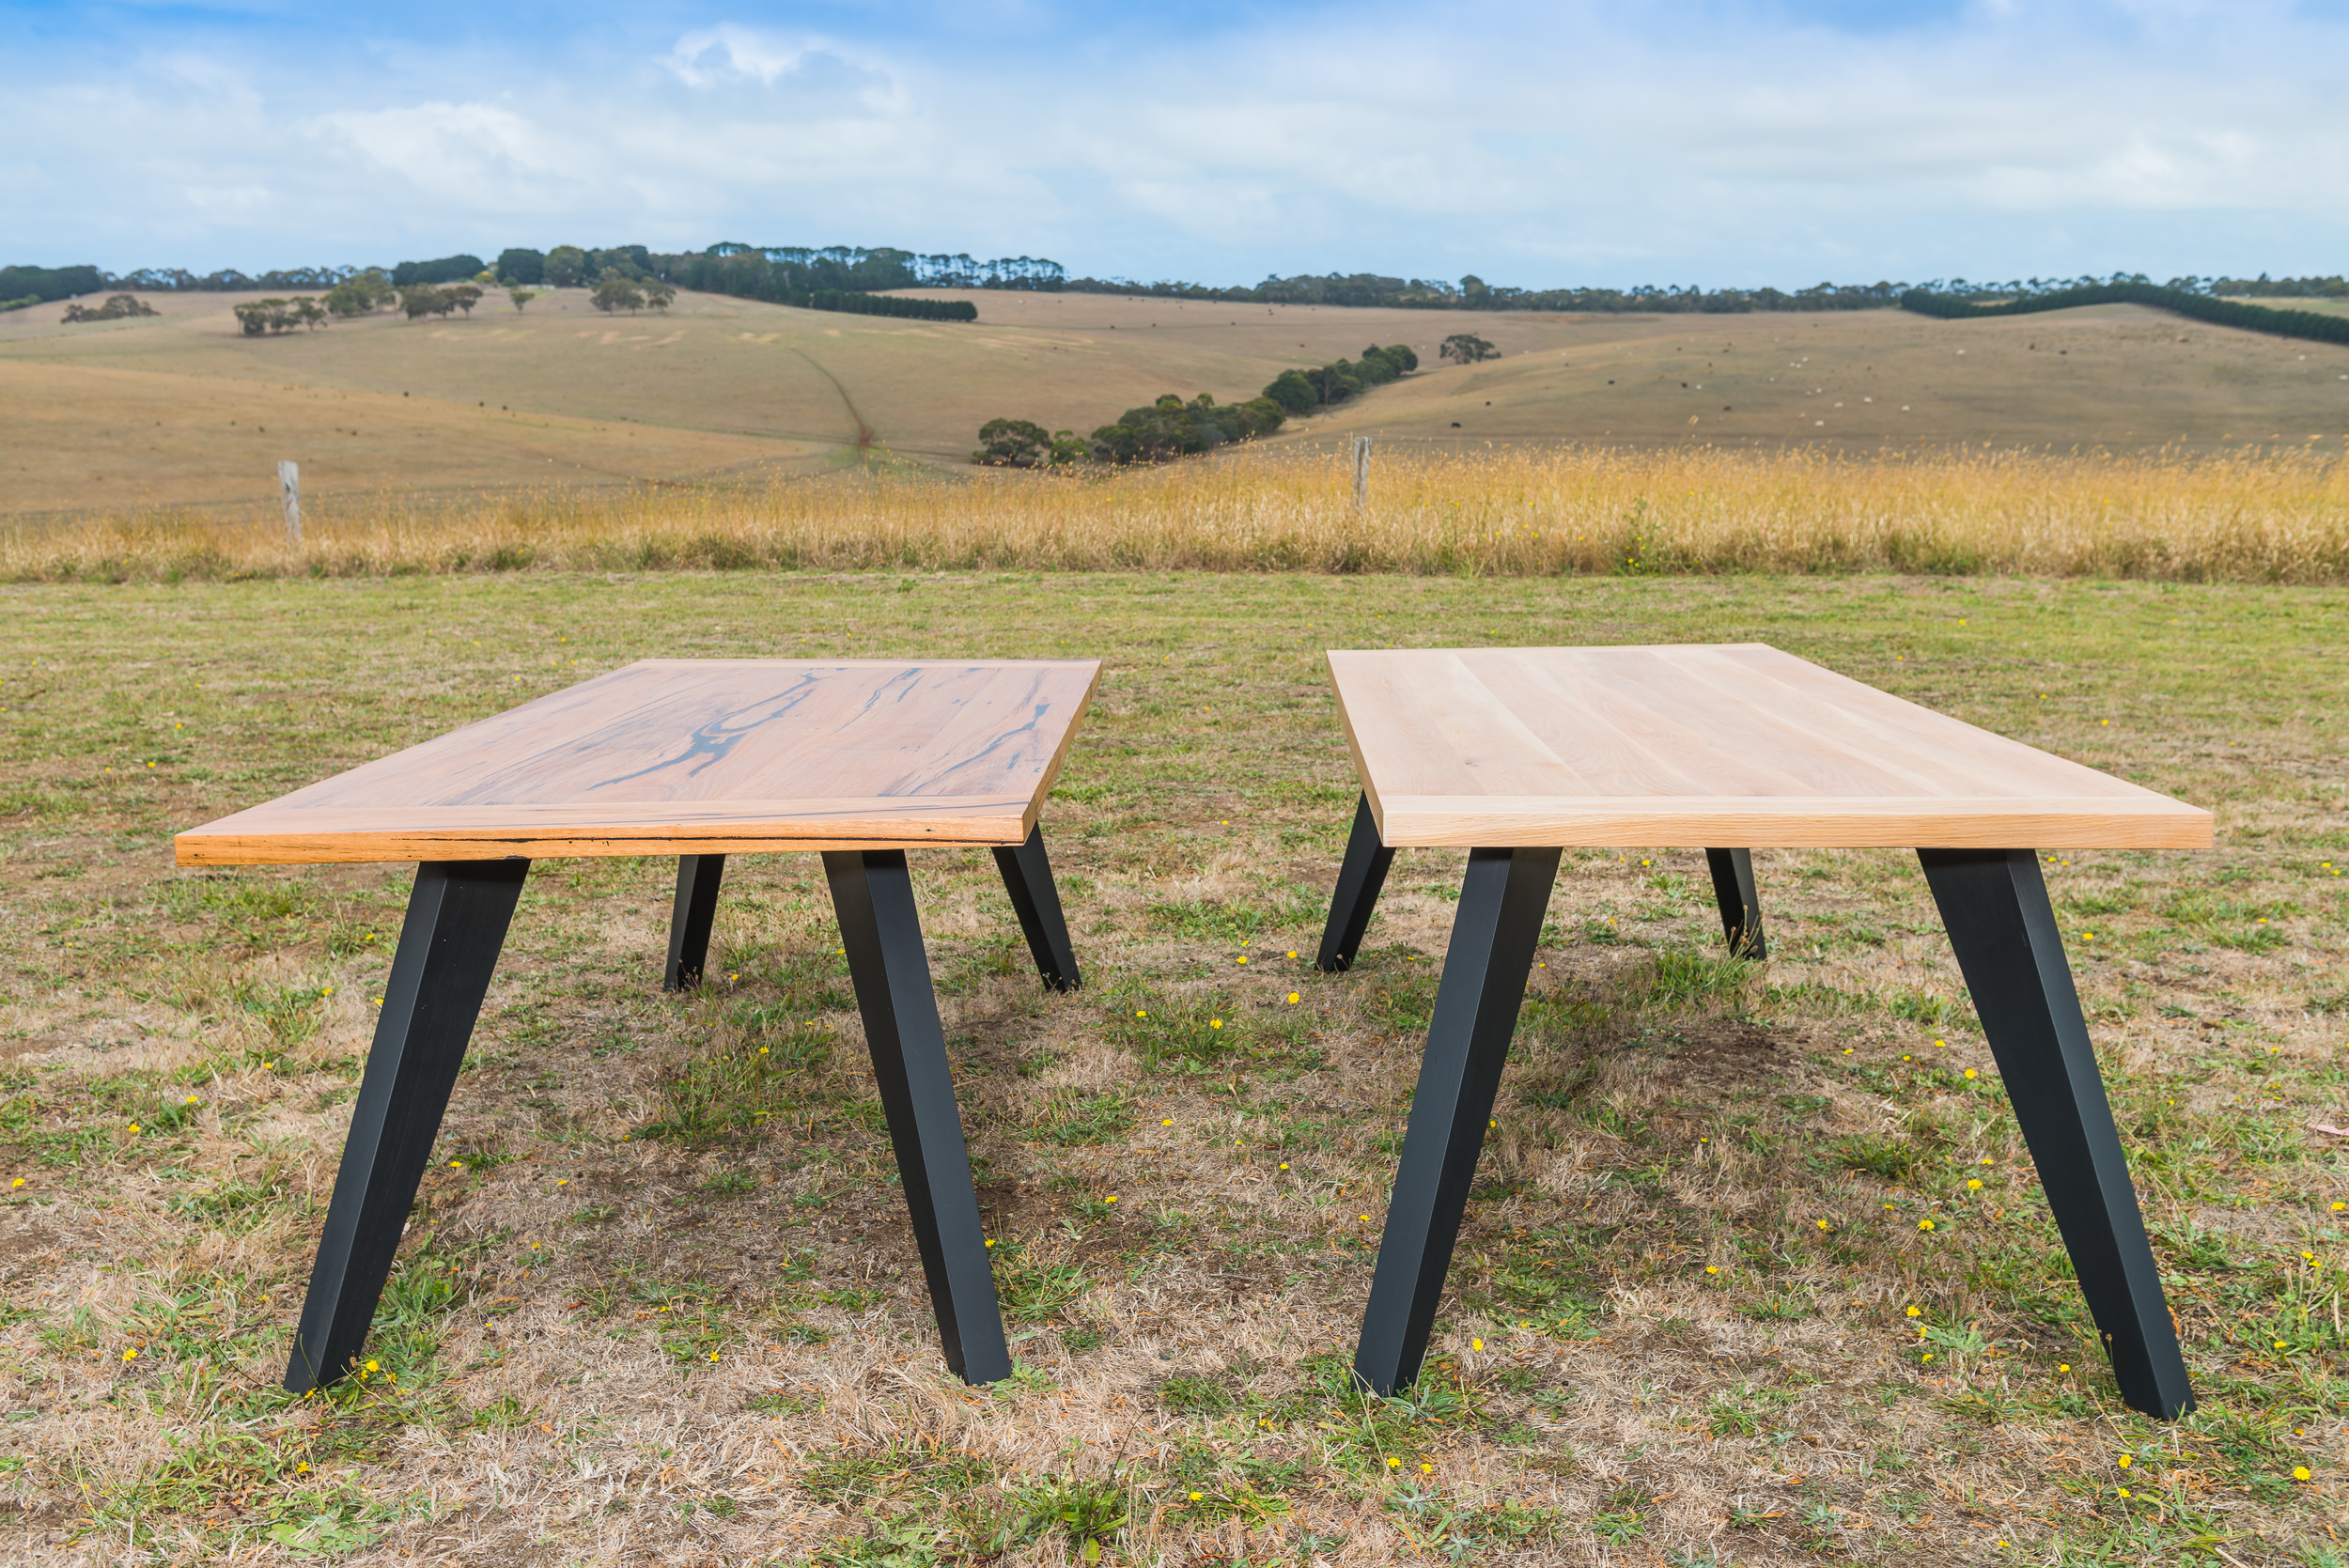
[289, 491]
[1361, 476]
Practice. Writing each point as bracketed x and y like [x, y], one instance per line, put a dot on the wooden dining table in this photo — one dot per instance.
[1517, 754]
[857, 760]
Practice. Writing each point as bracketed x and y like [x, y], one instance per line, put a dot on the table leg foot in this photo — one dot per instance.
[448, 947]
[1361, 876]
[1027, 873]
[1994, 903]
[1740, 905]
[1503, 902]
[874, 897]
[690, 917]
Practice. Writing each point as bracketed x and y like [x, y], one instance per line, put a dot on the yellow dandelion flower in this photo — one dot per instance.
[1166, 1121]
[194, 1100]
[2063, 1366]
[14, 1184]
[131, 1355]
[1194, 1496]
[1285, 1165]
[135, 1127]
[2299, 1472]
[1973, 1184]
[1243, 958]
[1924, 1224]
[1111, 1199]
[1394, 1464]
[1476, 1345]
[1215, 1023]
[1427, 1470]
[1712, 1269]
[1292, 999]
[2124, 1490]
[375, 1366]
[1292, 953]
[1916, 1311]
[1822, 1225]
[1928, 1355]
[1140, 1014]
[1970, 1073]
[458, 1164]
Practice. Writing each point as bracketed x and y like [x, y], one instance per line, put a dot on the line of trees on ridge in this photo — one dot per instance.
[1169, 429]
[2309, 324]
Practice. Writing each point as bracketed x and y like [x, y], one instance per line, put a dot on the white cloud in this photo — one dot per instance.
[1537, 146]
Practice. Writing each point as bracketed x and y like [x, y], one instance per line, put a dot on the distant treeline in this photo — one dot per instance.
[2202, 307]
[1364, 289]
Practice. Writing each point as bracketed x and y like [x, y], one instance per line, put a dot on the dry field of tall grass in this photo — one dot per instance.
[658, 1302]
[1521, 511]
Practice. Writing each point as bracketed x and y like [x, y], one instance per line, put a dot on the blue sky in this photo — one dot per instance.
[1556, 143]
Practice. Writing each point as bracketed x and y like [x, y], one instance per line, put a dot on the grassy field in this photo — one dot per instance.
[1529, 509]
[180, 411]
[659, 1301]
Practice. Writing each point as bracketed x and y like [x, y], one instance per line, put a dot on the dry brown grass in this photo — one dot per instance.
[2256, 517]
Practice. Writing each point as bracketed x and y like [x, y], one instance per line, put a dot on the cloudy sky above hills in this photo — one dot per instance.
[1543, 144]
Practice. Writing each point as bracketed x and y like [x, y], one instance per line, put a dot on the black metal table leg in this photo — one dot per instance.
[1503, 901]
[448, 946]
[697, 879]
[1741, 906]
[1359, 877]
[1028, 877]
[878, 927]
[1994, 903]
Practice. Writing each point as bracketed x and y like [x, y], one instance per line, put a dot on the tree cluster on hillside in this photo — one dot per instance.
[116, 308]
[1340, 381]
[257, 316]
[35, 285]
[616, 291]
[1170, 427]
[361, 294]
[1467, 349]
[448, 268]
[2313, 325]
[424, 298]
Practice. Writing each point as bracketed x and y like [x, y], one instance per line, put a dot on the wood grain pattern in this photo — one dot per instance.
[1737, 746]
[699, 756]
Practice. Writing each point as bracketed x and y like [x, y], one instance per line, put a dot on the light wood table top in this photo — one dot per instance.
[1737, 746]
[700, 756]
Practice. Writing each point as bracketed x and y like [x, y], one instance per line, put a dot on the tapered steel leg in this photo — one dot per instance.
[697, 879]
[448, 946]
[1359, 877]
[1741, 907]
[1493, 937]
[1994, 903]
[1028, 877]
[874, 898]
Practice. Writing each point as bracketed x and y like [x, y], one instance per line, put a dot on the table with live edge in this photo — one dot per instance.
[858, 760]
[1517, 754]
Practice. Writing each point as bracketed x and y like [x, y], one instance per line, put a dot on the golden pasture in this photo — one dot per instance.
[180, 410]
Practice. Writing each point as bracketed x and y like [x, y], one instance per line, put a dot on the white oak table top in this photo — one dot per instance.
[700, 756]
[1737, 746]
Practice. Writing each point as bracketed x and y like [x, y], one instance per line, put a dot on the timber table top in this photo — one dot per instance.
[700, 756]
[1736, 746]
